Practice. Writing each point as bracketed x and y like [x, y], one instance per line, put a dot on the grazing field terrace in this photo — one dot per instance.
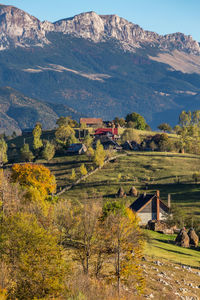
[167, 172]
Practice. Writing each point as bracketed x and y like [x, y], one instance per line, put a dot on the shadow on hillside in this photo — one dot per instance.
[98, 183]
[174, 251]
[171, 242]
[165, 154]
[111, 196]
[66, 163]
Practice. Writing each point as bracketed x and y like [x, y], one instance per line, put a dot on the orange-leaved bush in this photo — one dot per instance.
[34, 176]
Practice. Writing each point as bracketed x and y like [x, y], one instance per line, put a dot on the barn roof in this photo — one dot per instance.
[105, 130]
[141, 201]
[112, 143]
[91, 120]
[75, 147]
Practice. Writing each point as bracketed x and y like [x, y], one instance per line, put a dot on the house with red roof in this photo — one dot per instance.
[106, 132]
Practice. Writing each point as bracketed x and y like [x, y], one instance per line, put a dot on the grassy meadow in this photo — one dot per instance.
[168, 172]
[162, 246]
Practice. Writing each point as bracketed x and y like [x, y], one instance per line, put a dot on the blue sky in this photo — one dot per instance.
[161, 16]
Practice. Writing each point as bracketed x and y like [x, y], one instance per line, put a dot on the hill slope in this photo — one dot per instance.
[18, 111]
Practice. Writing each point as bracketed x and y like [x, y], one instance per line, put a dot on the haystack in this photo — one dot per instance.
[133, 192]
[182, 239]
[121, 193]
[194, 239]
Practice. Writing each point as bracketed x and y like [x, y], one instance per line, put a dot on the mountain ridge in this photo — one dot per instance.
[18, 112]
[98, 66]
[22, 29]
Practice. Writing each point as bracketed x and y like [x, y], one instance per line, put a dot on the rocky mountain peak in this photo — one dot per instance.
[181, 42]
[86, 25]
[18, 28]
[102, 27]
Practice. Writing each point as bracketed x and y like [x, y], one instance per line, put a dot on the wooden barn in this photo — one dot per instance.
[150, 207]
[91, 122]
[76, 149]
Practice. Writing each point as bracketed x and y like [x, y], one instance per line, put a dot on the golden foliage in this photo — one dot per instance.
[36, 177]
[99, 154]
[34, 260]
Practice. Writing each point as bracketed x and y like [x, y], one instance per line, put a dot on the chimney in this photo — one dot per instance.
[169, 200]
[158, 205]
[113, 128]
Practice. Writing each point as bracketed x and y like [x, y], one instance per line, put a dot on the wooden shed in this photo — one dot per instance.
[77, 149]
[91, 122]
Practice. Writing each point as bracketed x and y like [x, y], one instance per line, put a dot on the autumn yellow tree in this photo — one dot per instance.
[3, 151]
[73, 175]
[48, 151]
[130, 135]
[81, 230]
[37, 181]
[107, 238]
[99, 154]
[83, 170]
[65, 130]
[66, 121]
[10, 196]
[25, 153]
[37, 131]
[88, 140]
[123, 238]
[36, 268]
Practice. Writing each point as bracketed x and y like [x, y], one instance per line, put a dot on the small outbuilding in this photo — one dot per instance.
[110, 144]
[150, 207]
[131, 146]
[76, 149]
[91, 122]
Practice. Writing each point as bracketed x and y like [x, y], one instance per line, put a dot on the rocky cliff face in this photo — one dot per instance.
[18, 28]
[21, 29]
[99, 28]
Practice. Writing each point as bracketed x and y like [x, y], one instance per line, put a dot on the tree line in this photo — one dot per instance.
[45, 242]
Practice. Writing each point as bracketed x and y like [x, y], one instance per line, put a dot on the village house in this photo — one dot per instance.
[91, 122]
[106, 132]
[76, 149]
[110, 144]
[150, 207]
[131, 146]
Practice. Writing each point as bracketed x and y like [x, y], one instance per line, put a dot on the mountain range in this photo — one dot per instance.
[92, 65]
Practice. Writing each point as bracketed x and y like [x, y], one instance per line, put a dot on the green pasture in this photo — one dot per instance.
[147, 171]
[163, 246]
